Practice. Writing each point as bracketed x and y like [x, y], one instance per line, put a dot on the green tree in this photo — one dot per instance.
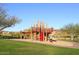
[73, 30]
[6, 20]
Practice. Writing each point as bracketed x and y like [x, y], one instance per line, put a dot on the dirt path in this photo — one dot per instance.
[57, 43]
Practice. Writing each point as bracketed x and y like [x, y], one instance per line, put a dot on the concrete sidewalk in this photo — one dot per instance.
[57, 43]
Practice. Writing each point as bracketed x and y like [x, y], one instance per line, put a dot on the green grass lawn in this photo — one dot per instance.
[9, 47]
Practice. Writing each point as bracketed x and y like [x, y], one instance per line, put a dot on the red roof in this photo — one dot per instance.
[48, 30]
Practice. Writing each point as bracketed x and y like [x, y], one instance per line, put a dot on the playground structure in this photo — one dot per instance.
[39, 31]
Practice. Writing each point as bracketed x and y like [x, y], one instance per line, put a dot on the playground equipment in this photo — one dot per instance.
[39, 31]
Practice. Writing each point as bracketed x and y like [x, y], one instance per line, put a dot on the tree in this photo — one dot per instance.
[72, 29]
[6, 20]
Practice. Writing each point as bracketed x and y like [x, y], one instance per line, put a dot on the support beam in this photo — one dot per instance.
[31, 32]
[46, 33]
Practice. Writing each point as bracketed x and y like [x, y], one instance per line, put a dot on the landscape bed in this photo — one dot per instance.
[10, 47]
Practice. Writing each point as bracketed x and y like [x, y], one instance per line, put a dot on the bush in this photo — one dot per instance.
[8, 37]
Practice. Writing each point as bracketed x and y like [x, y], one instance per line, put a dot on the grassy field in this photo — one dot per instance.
[9, 47]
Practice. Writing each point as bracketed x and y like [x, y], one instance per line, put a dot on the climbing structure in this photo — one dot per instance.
[39, 31]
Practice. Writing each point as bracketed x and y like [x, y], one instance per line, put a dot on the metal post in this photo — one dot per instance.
[31, 32]
[46, 32]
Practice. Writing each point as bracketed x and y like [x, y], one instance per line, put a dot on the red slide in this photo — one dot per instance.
[41, 36]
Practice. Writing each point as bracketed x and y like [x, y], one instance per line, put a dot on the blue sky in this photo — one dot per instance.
[55, 15]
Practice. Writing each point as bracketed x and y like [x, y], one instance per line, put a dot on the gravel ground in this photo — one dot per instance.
[57, 43]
